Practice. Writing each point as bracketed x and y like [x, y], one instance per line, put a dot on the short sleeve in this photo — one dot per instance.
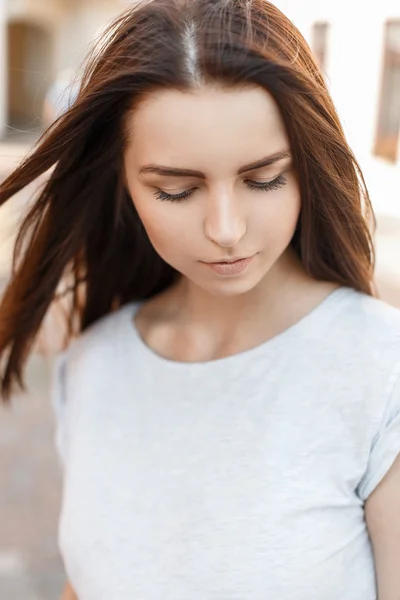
[386, 444]
[58, 401]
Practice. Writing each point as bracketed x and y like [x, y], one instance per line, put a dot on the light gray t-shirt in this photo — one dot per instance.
[242, 478]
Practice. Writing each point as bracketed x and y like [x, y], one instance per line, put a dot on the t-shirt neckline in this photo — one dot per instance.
[307, 322]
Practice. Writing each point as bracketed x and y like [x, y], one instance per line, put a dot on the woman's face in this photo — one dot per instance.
[210, 174]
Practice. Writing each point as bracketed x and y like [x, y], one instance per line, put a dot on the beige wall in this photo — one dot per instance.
[81, 26]
[43, 38]
[29, 68]
[46, 13]
[3, 67]
[73, 23]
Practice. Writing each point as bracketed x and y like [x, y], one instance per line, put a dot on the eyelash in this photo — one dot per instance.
[266, 186]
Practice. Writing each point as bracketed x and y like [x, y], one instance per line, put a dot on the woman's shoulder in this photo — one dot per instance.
[104, 337]
[363, 332]
[368, 316]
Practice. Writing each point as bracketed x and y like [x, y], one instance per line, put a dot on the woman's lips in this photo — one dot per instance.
[230, 268]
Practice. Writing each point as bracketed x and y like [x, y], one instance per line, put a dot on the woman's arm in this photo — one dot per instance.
[382, 513]
[69, 593]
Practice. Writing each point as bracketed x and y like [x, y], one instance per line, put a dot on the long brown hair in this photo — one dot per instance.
[83, 224]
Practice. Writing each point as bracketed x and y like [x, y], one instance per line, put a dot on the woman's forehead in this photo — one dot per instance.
[214, 123]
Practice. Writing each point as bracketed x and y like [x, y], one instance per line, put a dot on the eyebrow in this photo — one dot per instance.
[173, 172]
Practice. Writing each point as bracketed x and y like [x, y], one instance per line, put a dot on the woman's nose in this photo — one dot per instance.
[224, 223]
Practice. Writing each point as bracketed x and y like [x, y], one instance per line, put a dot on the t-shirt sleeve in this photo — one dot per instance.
[386, 444]
[58, 401]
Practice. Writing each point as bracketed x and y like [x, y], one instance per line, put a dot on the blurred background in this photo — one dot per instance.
[42, 44]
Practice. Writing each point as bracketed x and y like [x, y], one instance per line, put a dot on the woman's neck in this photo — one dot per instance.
[205, 326]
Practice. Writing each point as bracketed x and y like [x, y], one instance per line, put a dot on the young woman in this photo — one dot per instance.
[229, 408]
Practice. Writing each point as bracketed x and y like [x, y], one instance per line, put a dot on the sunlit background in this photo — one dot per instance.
[42, 44]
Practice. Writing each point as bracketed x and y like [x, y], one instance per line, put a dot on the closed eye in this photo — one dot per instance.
[164, 196]
[263, 186]
[266, 186]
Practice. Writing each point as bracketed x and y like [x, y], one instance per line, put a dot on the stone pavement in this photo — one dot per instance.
[30, 475]
[30, 484]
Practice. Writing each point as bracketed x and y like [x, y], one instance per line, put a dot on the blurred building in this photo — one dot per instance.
[38, 40]
[358, 48]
